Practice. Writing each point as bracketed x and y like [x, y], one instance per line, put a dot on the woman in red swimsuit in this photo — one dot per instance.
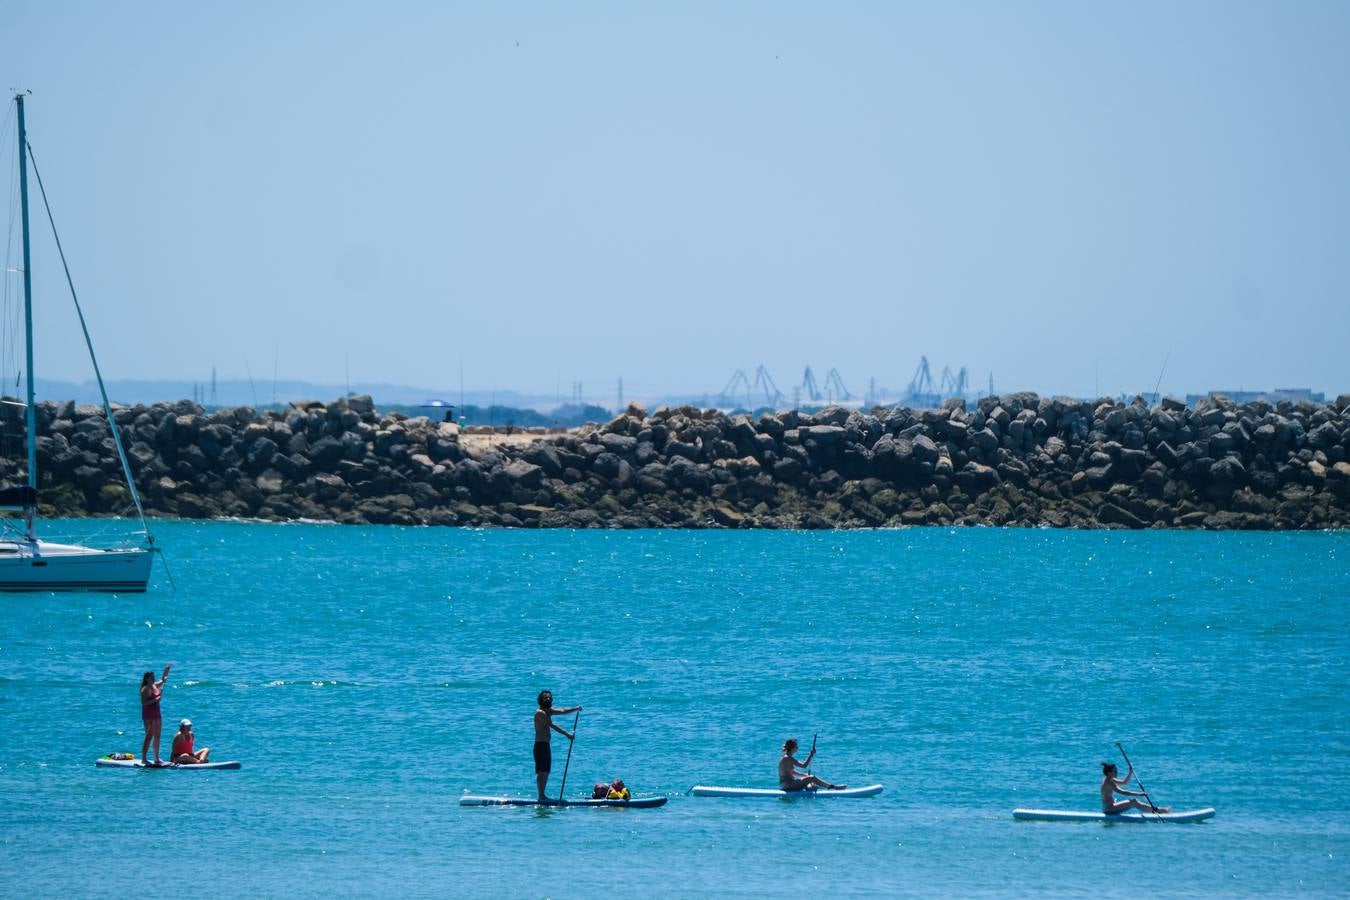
[182, 751]
[151, 718]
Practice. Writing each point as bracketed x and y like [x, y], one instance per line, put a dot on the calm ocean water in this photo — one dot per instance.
[367, 677]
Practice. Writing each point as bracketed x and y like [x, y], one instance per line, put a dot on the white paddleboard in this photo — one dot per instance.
[1064, 815]
[633, 803]
[137, 764]
[700, 790]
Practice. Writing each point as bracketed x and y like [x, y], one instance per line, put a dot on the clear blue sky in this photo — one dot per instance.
[1059, 193]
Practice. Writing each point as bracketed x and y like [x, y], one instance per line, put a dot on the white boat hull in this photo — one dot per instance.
[632, 803]
[700, 790]
[1068, 815]
[137, 764]
[44, 566]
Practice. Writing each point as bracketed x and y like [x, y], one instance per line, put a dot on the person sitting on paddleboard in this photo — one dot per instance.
[790, 779]
[1111, 785]
[182, 752]
[151, 718]
[543, 731]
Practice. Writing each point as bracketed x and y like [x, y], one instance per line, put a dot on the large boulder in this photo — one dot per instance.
[1228, 469]
[621, 444]
[984, 439]
[545, 456]
[325, 452]
[831, 415]
[925, 451]
[687, 474]
[1323, 436]
[823, 435]
[1112, 514]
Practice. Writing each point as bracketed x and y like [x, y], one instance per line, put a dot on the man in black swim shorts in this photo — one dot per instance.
[543, 731]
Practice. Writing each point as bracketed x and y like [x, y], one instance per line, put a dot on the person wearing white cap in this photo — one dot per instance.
[182, 752]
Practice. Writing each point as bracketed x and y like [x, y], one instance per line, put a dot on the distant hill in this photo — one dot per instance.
[264, 392]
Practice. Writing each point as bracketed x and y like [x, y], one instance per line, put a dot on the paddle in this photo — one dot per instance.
[562, 791]
[1143, 789]
[812, 754]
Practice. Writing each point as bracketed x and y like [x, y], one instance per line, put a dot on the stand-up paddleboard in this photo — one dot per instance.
[700, 790]
[1062, 815]
[633, 803]
[137, 764]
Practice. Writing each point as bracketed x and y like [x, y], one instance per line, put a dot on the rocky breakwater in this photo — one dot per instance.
[1017, 460]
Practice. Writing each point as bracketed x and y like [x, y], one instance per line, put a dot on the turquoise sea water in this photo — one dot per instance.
[367, 677]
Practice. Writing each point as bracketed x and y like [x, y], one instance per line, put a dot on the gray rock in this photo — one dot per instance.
[681, 449]
[925, 451]
[823, 435]
[832, 415]
[1213, 417]
[1110, 513]
[621, 444]
[325, 452]
[141, 454]
[606, 464]
[270, 482]
[261, 453]
[687, 474]
[1229, 469]
[883, 451]
[1323, 436]
[545, 456]
[984, 439]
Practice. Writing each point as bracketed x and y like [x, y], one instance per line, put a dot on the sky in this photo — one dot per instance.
[1075, 198]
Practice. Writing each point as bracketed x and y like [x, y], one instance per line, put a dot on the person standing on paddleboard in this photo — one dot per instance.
[790, 779]
[543, 732]
[151, 718]
[1111, 785]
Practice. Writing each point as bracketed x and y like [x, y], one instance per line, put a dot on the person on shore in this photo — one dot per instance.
[544, 727]
[1111, 785]
[151, 691]
[182, 752]
[790, 778]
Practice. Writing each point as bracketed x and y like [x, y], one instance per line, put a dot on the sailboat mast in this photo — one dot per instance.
[29, 511]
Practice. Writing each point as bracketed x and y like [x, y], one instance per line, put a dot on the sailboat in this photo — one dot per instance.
[26, 562]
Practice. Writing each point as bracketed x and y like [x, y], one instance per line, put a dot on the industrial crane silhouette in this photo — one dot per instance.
[763, 381]
[809, 387]
[953, 385]
[835, 392]
[922, 393]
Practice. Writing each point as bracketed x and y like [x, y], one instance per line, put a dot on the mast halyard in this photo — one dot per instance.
[29, 510]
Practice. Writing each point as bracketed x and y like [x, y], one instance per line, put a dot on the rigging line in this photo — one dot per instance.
[9, 333]
[89, 342]
[11, 311]
[1158, 386]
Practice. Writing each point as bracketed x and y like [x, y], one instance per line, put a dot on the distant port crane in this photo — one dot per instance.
[922, 393]
[950, 385]
[762, 383]
[835, 392]
[809, 387]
